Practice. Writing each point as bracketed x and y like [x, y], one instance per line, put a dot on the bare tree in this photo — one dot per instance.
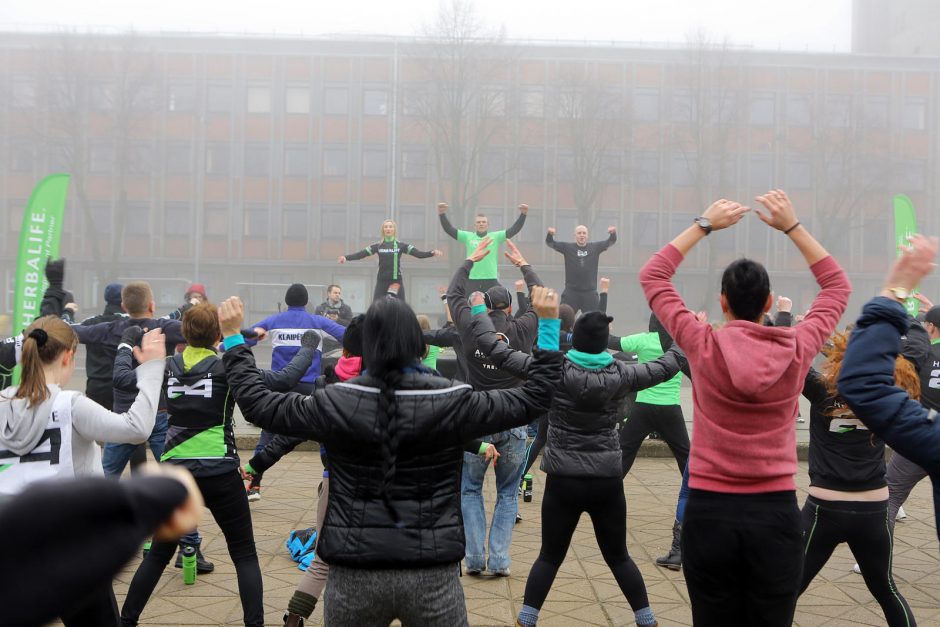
[94, 89]
[710, 112]
[591, 125]
[461, 109]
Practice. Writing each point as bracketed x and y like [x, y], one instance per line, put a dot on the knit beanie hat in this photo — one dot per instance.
[112, 293]
[591, 331]
[933, 315]
[352, 338]
[497, 297]
[296, 296]
[196, 288]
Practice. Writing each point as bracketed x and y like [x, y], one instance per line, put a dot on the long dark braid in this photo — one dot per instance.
[388, 424]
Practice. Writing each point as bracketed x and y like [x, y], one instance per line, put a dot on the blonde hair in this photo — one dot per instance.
[424, 322]
[43, 342]
[382, 228]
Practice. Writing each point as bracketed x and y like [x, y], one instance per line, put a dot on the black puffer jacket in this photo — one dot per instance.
[435, 419]
[588, 404]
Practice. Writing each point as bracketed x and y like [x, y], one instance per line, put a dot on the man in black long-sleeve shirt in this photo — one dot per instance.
[485, 273]
[581, 259]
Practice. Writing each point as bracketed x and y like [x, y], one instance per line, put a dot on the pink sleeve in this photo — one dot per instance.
[664, 300]
[828, 306]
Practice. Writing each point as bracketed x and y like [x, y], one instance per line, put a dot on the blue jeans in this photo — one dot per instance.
[511, 447]
[115, 458]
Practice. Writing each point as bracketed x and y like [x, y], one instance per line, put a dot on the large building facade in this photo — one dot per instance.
[250, 163]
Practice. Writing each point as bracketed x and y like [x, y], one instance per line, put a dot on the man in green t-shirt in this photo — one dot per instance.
[484, 273]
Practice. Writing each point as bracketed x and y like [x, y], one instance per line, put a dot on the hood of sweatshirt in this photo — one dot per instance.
[21, 426]
[758, 356]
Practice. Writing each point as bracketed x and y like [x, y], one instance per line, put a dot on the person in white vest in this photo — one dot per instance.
[48, 433]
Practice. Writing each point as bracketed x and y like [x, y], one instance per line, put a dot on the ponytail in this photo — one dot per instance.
[43, 342]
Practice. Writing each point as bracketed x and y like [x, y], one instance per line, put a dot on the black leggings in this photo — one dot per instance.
[226, 498]
[382, 285]
[564, 500]
[643, 419]
[864, 526]
[581, 300]
[535, 446]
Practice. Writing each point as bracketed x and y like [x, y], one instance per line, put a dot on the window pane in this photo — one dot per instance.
[412, 224]
[216, 219]
[294, 222]
[181, 97]
[101, 96]
[683, 109]
[176, 219]
[646, 229]
[374, 162]
[257, 160]
[414, 100]
[259, 100]
[370, 221]
[915, 114]
[564, 168]
[256, 221]
[414, 164]
[493, 102]
[912, 175]
[533, 104]
[684, 170]
[646, 105]
[760, 172]
[218, 159]
[24, 95]
[336, 101]
[296, 161]
[799, 110]
[101, 158]
[101, 218]
[219, 98]
[334, 162]
[375, 102]
[646, 169]
[762, 110]
[140, 158]
[297, 100]
[178, 159]
[22, 157]
[799, 174]
[493, 165]
[137, 220]
[876, 112]
[838, 111]
[531, 165]
[333, 222]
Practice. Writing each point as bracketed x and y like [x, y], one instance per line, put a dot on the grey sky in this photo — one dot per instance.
[793, 25]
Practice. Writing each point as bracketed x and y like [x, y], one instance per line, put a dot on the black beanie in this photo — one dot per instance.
[933, 315]
[296, 296]
[497, 297]
[352, 338]
[591, 331]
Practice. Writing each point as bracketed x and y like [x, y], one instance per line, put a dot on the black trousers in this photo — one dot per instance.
[381, 288]
[480, 285]
[864, 526]
[742, 556]
[583, 300]
[643, 419]
[226, 498]
[564, 500]
[536, 445]
[98, 610]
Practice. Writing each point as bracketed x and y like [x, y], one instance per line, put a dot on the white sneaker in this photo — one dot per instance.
[901, 514]
[856, 570]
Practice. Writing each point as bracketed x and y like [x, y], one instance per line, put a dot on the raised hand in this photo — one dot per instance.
[477, 299]
[232, 316]
[702, 316]
[605, 284]
[481, 251]
[916, 262]
[442, 207]
[520, 285]
[724, 213]
[925, 303]
[551, 231]
[152, 347]
[514, 255]
[437, 253]
[545, 301]
[524, 209]
[342, 259]
[779, 212]
[784, 304]
[611, 230]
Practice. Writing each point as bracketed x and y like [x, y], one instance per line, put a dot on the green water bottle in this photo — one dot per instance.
[527, 488]
[189, 565]
[147, 547]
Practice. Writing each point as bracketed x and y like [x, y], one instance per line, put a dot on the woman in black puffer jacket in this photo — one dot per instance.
[582, 455]
[393, 533]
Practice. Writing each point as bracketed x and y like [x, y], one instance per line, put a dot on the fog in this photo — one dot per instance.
[247, 163]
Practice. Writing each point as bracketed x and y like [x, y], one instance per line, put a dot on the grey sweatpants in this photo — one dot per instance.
[425, 597]
[314, 577]
[902, 475]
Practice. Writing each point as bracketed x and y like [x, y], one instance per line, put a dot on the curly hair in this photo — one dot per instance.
[905, 374]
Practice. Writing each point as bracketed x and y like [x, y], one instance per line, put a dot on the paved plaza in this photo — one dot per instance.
[584, 593]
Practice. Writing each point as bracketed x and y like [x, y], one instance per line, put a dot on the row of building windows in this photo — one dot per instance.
[527, 165]
[645, 105]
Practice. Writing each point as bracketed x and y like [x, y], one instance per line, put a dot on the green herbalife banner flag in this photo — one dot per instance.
[39, 240]
[905, 225]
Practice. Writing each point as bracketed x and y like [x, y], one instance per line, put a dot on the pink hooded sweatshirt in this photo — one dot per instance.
[747, 380]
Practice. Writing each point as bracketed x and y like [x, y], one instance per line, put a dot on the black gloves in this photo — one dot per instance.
[55, 272]
[310, 339]
[132, 335]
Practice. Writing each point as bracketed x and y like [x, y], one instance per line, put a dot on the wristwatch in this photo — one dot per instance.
[900, 293]
[704, 224]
